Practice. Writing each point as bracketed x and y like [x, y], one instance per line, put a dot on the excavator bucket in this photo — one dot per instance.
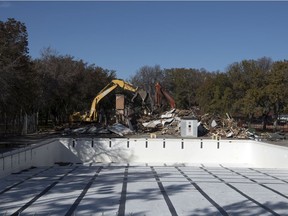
[142, 93]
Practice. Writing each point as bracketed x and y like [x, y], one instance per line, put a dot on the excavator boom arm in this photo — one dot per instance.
[105, 91]
[125, 85]
[109, 88]
[158, 96]
[169, 98]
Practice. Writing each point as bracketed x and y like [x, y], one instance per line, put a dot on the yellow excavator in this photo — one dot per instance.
[92, 116]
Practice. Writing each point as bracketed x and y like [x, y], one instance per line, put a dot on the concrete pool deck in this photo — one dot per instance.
[145, 189]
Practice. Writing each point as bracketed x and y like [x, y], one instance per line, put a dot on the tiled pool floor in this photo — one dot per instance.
[145, 189]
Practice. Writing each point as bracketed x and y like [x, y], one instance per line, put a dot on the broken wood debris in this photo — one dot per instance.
[223, 127]
[209, 125]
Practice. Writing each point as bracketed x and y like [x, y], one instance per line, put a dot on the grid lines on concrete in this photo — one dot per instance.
[145, 189]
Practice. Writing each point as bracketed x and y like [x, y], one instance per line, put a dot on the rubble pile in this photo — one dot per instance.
[165, 123]
[209, 125]
[223, 127]
[169, 123]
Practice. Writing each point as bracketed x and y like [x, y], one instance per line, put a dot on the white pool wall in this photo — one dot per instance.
[268, 156]
[160, 150]
[42, 154]
[134, 150]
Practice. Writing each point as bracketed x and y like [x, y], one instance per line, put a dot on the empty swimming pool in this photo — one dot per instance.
[145, 177]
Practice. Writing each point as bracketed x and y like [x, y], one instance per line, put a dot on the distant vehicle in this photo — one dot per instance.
[283, 118]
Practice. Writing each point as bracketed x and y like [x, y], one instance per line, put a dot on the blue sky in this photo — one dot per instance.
[124, 36]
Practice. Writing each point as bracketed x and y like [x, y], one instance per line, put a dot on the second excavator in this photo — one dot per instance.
[159, 93]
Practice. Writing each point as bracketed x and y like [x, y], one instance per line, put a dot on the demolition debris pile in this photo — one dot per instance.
[208, 124]
[169, 124]
[223, 127]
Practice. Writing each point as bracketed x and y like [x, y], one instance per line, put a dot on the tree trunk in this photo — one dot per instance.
[37, 121]
[46, 117]
[25, 124]
[264, 122]
[275, 124]
[6, 123]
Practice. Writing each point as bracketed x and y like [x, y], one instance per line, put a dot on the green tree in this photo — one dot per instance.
[68, 85]
[276, 88]
[216, 94]
[183, 84]
[17, 77]
[249, 79]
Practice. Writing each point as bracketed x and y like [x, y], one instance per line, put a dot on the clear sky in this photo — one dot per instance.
[124, 36]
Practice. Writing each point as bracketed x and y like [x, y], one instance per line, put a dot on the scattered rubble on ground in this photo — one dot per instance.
[168, 123]
[275, 136]
[119, 129]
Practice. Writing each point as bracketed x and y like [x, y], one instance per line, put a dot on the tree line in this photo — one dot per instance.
[248, 89]
[49, 89]
[41, 90]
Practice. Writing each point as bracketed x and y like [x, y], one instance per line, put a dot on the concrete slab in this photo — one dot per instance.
[145, 189]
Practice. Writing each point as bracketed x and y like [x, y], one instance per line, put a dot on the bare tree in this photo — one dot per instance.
[146, 78]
